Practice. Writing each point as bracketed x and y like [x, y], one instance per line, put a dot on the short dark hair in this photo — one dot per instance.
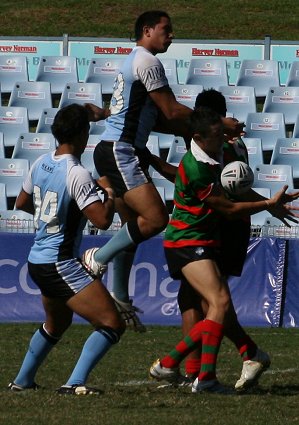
[202, 119]
[69, 122]
[150, 18]
[212, 99]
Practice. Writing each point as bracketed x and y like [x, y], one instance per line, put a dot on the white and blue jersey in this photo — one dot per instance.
[133, 113]
[61, 188]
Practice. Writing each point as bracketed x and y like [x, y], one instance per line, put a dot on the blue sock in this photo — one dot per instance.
[122, 264]
[120, 241]
[94, 349]
[39, 347]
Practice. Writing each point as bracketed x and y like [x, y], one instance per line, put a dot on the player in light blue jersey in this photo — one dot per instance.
[141, 101]
[141, 91]
[62, 195]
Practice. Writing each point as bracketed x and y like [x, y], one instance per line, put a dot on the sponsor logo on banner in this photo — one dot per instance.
[215, 52]
[15, 48]
[118, 50]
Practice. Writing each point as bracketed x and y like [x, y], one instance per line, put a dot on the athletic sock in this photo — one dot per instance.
[184, 347]
[40, 345]
[212, 334]
[120, 241]
[192, 367]
[95, 347]
[122, 264]
[247, 348]
[245, 345]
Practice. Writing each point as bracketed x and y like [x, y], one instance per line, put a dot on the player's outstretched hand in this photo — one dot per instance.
[279, 206]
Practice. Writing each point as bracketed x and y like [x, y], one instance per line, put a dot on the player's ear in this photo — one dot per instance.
[196, 137]
[147, 31]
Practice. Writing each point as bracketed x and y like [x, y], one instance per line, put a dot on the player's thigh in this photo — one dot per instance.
[58, 315]
[124, 211]
[205, 278]
[94, 303]
[147, 202]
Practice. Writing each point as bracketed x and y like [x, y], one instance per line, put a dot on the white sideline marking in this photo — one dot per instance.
[136, 383]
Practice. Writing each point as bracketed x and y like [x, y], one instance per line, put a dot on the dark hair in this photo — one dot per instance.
[69, 122]
[202, 119]
[150, 18]
[212, 99]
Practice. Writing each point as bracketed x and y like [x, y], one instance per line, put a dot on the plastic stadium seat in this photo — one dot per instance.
[13, 173]
[208, 72]
[286, 151]
[153, 145]
[258, 219]
[87, 156]
[103, 71]
[32, 145]
[33, 95]
[296, 128]
[97, 127]
[171, 71]
[81, 93]
[165, 140]
[45, 120]
[13, 121]
[16, 221]
[260, 74]
[2, 151]
[239, 101]
[176, 151]
[293, 75]
[186, 93]
[284, 100]
[3, 198]
[255, 151]
[58, 71]
[161, 181]
[273, 177]
[267, 126]
[13, 68]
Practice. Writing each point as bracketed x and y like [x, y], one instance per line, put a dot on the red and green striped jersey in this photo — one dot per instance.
[193, 223]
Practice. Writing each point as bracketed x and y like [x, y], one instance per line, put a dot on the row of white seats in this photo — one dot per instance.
[209, 72]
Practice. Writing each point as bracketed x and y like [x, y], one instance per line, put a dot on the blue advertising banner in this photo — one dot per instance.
[257, 295]
[33, 49]
[285, 55]
[181, 50]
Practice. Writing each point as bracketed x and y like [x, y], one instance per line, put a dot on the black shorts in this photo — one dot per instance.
[60, 280]
[235, 237]
[177, 258]
[119, 161]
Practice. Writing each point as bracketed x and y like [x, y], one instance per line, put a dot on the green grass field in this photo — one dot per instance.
[131, 398]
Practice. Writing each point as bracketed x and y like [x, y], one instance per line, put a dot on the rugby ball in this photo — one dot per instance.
[237, 177]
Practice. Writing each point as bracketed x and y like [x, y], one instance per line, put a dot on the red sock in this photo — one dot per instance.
[192, 366]
[212, 334]
[247, 348]
[184, 347]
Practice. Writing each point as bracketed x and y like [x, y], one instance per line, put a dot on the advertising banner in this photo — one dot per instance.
[257, 295]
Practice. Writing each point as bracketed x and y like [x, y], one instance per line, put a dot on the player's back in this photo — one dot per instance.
[58, 220]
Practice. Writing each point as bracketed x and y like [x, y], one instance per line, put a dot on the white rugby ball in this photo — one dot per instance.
[237, 177]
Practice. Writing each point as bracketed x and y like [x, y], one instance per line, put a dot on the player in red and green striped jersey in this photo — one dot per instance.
[192, 245]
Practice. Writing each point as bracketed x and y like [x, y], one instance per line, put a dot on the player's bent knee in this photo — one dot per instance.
[113, 335]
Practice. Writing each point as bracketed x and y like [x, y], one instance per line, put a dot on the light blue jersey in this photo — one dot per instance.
[133, 113]
[61, 188]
